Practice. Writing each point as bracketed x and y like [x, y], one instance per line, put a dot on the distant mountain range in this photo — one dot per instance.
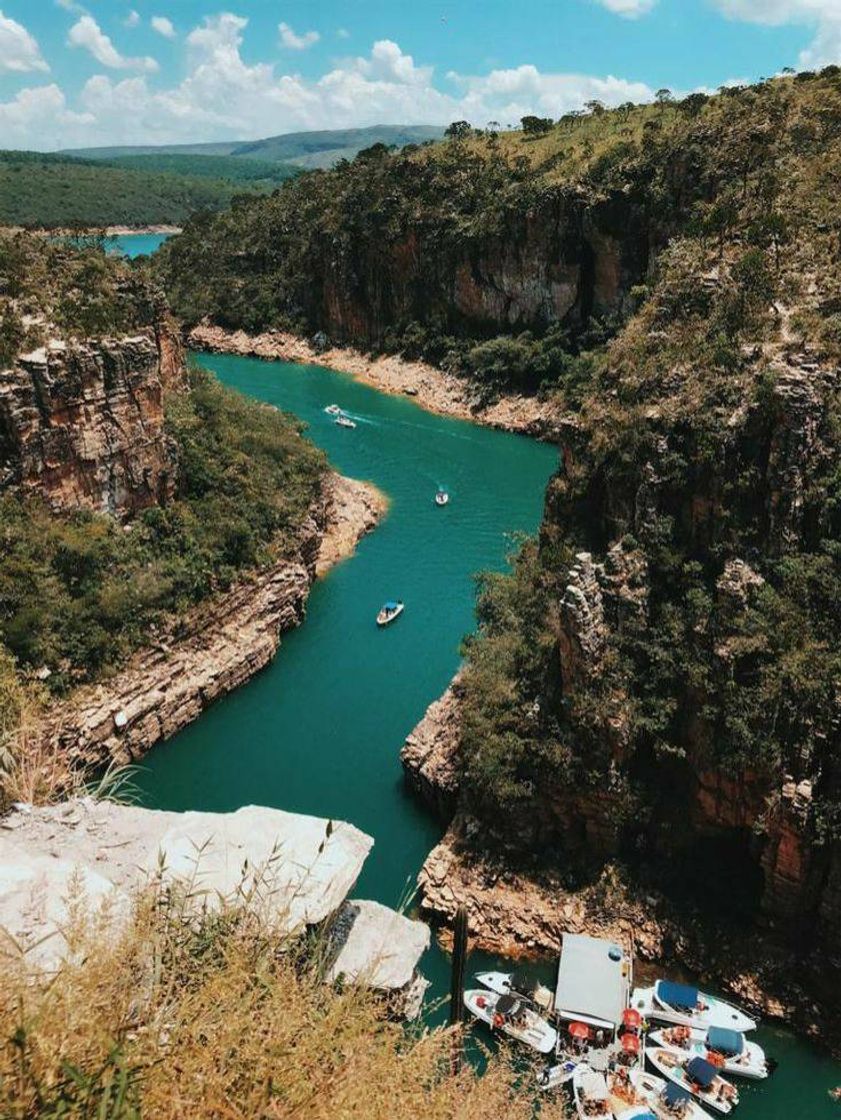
[301, 149]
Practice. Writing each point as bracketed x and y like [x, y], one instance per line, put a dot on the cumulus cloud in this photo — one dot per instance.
[89, 35]
[19, 52]
[222, 96]
[296, 42]
[40, 113]
[823, 15]
[630, 9]
[132, 19]
[163, 26]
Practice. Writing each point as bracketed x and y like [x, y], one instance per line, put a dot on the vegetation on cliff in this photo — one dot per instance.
[220, 1017]
[41, 191]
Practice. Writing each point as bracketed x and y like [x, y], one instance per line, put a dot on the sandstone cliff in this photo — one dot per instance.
[82, 424]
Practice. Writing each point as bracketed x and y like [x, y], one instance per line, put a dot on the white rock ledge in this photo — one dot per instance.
[298, 869]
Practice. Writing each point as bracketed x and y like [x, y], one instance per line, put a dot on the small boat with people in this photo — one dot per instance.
[554, 1076]
[696, 1076]
[685, 1006]
[442, 498]
[591, 1094]
[512, 1015]
[333, 410]
[344, 421]
[729, 1050]
[389, 612]
[659, 1099]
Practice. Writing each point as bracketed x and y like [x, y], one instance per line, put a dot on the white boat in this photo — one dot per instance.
[685, 1006]
[441, 498]
[660, 1099]
[696, 1076]
[589, 1090]
[553, 1077]
[513, 1016]
[727, 1049]
[518, 983]
[389, 612]
[344, 421]
[333, 410]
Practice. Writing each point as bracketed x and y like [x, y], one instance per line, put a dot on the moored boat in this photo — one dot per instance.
[727, 1049]
[553, 1077]
[513, 1016]
[519, 983]
[344, 421]
[660, 1100]
[685, 1006]
[590, 1092]
[696, 1076]
[389, 612]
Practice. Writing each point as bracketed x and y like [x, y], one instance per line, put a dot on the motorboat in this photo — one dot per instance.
[660, 1100]
[333, 410]
[553, 1077]
[684, 1005]
[590, 1092]
[441, 498]
[389, 612]
[344, 421]
[519, 983]
[513, 1016]
[696, 1076]
[729, 1050]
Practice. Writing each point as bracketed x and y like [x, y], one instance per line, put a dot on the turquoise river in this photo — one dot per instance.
[320, 730]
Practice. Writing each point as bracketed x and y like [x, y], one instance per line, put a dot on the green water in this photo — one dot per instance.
[320, 730]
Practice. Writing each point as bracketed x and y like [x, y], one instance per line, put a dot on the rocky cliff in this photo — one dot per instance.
[82, 424]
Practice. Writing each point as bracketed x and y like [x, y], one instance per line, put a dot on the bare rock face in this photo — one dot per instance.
[430, 754]
[82, 425]
[581, 640]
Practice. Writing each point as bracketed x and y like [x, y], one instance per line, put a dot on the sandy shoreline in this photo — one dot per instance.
[93, 231]
[431, 388]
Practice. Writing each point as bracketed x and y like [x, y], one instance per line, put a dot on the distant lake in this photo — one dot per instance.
[136, 244]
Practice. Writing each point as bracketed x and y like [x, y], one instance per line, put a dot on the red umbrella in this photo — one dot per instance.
[631, 1017]
[579, 1030]
[630, 1044]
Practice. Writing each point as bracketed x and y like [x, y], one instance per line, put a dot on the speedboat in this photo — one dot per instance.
[517, 983]
[344, 421]
[684, 1005]
[333, 410]
[513, 1016]
[660, 1100]
[727, 1049]
[696, 1076]
[389, 612]
[441, 498]
[553, 1077]
[589, 1090]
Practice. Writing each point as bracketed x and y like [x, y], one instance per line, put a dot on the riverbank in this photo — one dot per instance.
[431, 388]
[521, 911]
[108, 231]
[196, 659]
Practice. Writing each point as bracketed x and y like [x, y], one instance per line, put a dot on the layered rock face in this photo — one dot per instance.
[82, 425]
[560, 262]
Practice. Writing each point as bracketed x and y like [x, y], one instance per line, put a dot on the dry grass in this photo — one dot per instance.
[214, 1019]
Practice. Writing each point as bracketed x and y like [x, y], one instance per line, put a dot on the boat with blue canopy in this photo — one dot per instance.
[725, 1048]
[696, 1076]
[685, 1005]
[660, 1099]
[389, 612]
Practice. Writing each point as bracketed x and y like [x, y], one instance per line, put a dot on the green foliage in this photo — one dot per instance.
[78, 593]
[258, 172]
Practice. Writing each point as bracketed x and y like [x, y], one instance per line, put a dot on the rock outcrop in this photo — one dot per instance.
[212, 650]
[82, 424]
[87, 861]
[430, 755]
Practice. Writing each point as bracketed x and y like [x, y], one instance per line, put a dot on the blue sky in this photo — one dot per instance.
[76, 73]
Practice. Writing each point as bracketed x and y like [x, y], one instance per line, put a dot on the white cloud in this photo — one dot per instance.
[71, 6]
[342, 33]
[40, 113]
[630, 9]
[296, 42]
[19, 52]
[823, 15]
[224, 97]
[163, 26]
[132, 19]
[88, 34]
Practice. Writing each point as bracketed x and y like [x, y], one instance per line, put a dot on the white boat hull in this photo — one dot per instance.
[499, 982]
[553, 1077]
[648, 1089]
[534, 1032]
[661, 1060]
[583, 1112]
[750, 1063]
[717, 1013]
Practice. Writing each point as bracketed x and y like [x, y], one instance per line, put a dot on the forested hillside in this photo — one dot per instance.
[49, 192]
[663, 665]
